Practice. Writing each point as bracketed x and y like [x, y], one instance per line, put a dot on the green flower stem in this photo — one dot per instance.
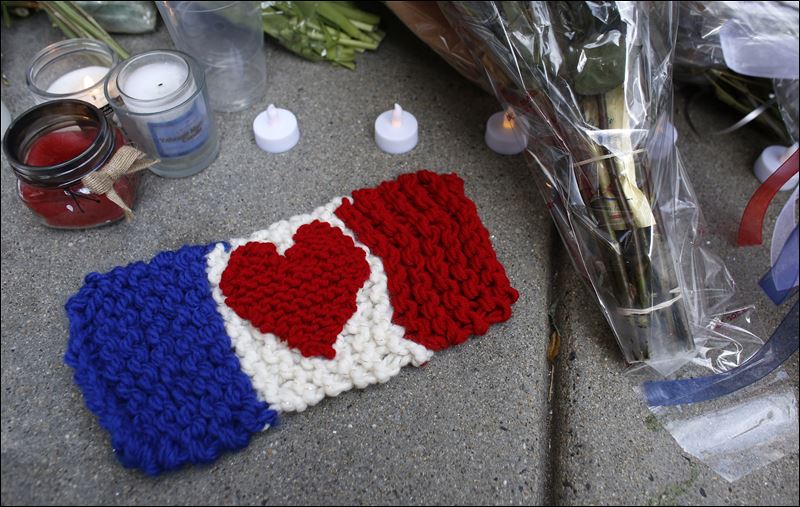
[356, 14]
[73, 21]
[98, 30]
[331, 13]
[364, 27]
[342, 40]
[728, 86]
[602, 211]
[640, 271]
[322, 31]
[377, 35]
[63, 25]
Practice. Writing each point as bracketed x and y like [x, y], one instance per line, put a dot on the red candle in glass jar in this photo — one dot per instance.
[54, 160]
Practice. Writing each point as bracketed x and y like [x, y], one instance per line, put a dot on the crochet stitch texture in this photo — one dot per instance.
[370, 349]
[152, 358]
[444, 278]
[184, 357]
[305, 296]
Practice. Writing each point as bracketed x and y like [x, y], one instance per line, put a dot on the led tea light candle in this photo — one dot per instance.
[161, 101]
[770, 160]
[276, 130]
[71, 69]
[396, 131]
[503, 134]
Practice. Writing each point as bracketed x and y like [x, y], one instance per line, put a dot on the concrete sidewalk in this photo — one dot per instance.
[472, 426]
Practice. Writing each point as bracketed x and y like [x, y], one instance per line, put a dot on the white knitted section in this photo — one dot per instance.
[370, 348]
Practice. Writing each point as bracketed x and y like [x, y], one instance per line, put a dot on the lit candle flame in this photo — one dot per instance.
[508, 119]
[88, 81]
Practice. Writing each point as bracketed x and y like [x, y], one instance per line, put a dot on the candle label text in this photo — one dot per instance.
[182, 135]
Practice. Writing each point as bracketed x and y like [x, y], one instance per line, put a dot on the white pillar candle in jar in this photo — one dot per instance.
[81, 82]
[71, 69]
[159, 91]
[156, 86]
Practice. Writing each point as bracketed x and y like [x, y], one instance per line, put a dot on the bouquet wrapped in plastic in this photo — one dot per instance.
[589, 86]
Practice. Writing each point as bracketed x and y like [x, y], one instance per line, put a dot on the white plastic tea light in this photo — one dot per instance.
[396, 131]
[276, 130]
[770, 160]
[503, 134]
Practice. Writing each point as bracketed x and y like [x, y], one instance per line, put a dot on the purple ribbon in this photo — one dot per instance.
[779, 282]
[782, 344]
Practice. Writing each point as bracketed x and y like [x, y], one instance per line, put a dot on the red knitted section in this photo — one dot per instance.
[444, 279]
[304, 297]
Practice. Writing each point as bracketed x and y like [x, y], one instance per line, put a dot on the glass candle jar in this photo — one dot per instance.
[71, 69]
[161, 100]
[50, 147]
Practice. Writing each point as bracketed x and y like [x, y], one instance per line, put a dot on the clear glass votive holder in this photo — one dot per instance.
[161, 101]
[71, 69]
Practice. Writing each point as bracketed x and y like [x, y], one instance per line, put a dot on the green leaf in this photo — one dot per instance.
[598, 66]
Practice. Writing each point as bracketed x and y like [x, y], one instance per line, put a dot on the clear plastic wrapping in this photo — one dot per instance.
[736, 435]
[756, 39]
[701, 24]
[589, 85]
[426, 20]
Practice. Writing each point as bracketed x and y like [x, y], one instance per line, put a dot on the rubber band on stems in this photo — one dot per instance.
[650, 309]
[610, 155]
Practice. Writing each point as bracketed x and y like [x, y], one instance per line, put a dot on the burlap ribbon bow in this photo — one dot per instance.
[127, 160]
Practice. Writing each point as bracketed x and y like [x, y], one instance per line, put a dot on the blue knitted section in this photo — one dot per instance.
[155, 365]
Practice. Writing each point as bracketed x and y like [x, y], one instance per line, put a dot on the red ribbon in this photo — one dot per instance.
[753, 218]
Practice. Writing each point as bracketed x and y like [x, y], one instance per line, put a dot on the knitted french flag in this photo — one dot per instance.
[186, 356]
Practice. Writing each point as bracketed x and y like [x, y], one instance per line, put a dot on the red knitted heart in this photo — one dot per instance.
[304, 297]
